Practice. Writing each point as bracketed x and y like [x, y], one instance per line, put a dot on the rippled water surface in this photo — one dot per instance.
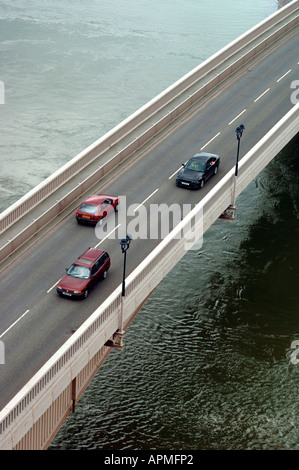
[206, 363]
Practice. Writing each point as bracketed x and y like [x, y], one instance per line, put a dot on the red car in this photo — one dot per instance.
[84, 273]
[95, 208]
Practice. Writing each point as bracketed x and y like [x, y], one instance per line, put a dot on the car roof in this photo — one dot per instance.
[203, 156]
[89, 256]
[97, 198]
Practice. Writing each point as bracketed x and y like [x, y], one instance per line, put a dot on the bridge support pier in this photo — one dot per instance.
[117, 340]
[228, 214]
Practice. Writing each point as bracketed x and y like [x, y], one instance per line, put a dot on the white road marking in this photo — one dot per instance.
[266, 91]
[53, 286]
[210, 140]
[242, 112]
[283, 75]
[146, 199]
[115, 228]
[14, 323]
[174, 173]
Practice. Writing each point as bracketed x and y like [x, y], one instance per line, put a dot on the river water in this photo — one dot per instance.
[207, 361]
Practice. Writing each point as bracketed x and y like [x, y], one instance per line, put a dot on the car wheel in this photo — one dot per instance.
[116, 208]
[85, 293]
[202, 183]
[215, 170]
[105, 274]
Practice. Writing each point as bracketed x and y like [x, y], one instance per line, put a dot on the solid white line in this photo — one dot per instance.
[146, 200]
[14, 323]
[261, 95]
[210, 141]
[237, 117]
[283, 75]
[115, 228]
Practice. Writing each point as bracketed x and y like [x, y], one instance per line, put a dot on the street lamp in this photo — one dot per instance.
[125, 243]
[229, 213]
[239, 132]
[117, 341]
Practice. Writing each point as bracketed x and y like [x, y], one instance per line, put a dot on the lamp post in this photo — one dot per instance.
[229, 213]
[239, 132]
[125, 244]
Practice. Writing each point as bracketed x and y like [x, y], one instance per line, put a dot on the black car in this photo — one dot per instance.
[198, 170]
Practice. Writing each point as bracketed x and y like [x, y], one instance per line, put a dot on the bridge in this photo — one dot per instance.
[52, 347]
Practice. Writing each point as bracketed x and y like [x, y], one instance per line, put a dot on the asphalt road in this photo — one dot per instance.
[34, 320]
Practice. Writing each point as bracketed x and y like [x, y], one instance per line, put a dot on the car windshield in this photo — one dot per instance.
[78, 271]
[88, 208]
[195, 166]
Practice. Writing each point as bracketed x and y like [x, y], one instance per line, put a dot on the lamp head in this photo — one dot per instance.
[125, 243]
[239, 131]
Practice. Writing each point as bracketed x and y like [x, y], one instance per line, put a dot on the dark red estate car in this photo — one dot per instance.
[84, 273]
[95, 208]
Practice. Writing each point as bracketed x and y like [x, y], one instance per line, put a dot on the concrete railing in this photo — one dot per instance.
[39, 394]
[138, 129]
